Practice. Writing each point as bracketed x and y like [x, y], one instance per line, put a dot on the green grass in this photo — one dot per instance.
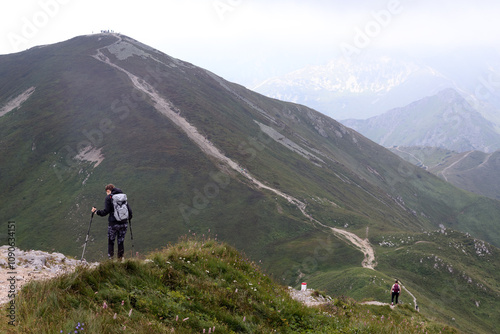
[192, 286]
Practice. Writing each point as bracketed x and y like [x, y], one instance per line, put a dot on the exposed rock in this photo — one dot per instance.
[24, 266]
[306, 297]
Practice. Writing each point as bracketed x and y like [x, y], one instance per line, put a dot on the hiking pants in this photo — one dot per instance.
[395, 294]
[116, 231]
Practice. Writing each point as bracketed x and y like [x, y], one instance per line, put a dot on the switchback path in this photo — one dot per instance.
[453, 164]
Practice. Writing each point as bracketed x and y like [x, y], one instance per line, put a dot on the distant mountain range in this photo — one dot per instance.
[372, 84]
[306, 197]
[342, 89]
[445, 120]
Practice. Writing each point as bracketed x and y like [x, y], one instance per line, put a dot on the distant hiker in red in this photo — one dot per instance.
[116, 206]
[396, 289]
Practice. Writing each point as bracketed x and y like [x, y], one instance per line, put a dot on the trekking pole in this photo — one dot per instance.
[131, 235]
[87, 238]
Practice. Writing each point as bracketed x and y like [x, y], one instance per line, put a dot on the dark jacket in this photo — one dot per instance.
[109, 209]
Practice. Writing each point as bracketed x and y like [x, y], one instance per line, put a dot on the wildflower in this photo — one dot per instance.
[123, 302]
[104, 305]
[244, 318]
[114, 317]
[130, 312]
[185, 319]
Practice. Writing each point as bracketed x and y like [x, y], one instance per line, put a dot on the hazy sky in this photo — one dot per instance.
[246, 39]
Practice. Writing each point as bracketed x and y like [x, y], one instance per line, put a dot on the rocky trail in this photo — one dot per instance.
[308, 298]
[166, 108]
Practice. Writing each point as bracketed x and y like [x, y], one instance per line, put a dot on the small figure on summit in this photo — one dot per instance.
[395, 290]
[119, 212]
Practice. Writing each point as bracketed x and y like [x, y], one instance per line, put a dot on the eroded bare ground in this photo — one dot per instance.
[362, 244]
[17, 101]
[91, 154]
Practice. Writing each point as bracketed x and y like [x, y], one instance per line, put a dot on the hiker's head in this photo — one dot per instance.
[396, 281]
[109, 188]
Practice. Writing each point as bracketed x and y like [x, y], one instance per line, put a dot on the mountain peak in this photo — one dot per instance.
[444, 120]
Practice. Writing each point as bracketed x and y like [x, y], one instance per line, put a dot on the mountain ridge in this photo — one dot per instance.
[443, 120]
[473, 171]
[385, 80]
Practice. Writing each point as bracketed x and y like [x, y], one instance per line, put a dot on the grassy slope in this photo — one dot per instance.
[191, 287]
[149, 157]
[452, 275]
[476, 171]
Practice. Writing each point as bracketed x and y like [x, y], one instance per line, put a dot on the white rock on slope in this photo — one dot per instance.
[31, 265]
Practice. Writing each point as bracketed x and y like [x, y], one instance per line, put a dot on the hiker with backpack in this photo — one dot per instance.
[116, 206]
[396, 289]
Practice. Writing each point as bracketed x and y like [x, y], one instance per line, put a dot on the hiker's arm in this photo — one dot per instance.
[108, 208]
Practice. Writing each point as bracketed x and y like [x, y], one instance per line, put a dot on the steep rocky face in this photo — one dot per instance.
[444, 120]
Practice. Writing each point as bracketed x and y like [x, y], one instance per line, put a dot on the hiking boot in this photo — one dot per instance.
[392, 304]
